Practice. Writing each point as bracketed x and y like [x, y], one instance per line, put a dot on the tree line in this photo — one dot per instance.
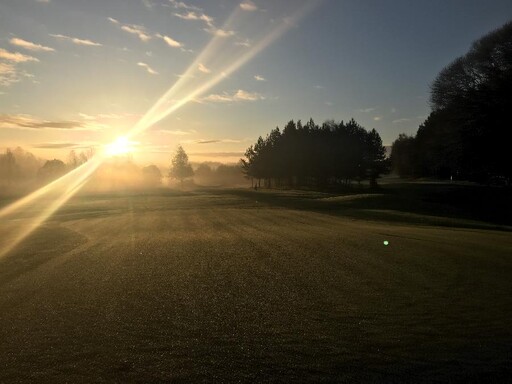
[465, 135]
[311, 155]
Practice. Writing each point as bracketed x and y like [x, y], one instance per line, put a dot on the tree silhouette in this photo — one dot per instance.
[315, 156]
[470, 100]
[52, 169]
[180, 168]
[152, 176]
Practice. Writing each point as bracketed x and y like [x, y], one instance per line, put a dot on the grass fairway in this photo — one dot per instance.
[237, 285]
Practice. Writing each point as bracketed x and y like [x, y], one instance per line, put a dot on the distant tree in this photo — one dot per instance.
[152, 176]
[402, 156]
[8, 167]
[375, 158]
[52, 169]
[204, 174]
[180, 168]
[73, 159]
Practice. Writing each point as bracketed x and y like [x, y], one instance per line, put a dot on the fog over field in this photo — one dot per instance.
[255, 191]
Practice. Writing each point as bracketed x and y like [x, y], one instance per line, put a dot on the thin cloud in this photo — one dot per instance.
[170, 41]
[216, 141]
[202, 68]
[176, 132]
[29, 45]
[55, 145]
[43, 1]
[144, 35]
[403, 120]
[182, 5]
[16, 57]
[366, 110]
[260, 78]
[8, 74]
[244, 43]
[217, 154]
[248, 6]
[209, 21]
[148, 4]
[247, 96]
[194, 16]
[377, 118]
[239, 95]
[220, 32]
[29, 122]
[137, 30]
[134, 29]
[76, 40]
[150, 70]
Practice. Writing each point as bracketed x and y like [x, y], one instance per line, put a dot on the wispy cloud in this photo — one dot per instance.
[177, 132]
[377, 118]
[194, 16]
[243, 43]
[148, 68]
[198, 15]
[220, 32]
[217, 141]
[402, 120]
[107, 116]
[15, 57]
[29, 122]
[8, 74]
[260, 78]
[55, 145]
[239, 95]
[148, 4]
[366, 110]
[217, 154]
[248, 6]
[144, 35]
[29, 45]
[76, 40]
[134, 29]
[202, 68]
[43, 1]
[182, 5]
[170, 41]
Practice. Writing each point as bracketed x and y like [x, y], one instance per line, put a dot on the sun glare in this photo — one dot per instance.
[120, 146]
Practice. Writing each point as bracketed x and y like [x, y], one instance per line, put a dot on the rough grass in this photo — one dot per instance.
[238, 285]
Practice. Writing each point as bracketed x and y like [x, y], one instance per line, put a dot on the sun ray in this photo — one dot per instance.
[66, 186]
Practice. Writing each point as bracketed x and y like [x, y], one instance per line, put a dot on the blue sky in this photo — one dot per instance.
[78, 73]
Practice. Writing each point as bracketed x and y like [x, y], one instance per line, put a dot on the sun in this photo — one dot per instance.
[120, 146]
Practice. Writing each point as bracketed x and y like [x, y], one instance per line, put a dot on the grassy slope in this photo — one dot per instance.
[237, 284]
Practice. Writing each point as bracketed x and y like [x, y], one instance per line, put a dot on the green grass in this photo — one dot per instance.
[239, 285]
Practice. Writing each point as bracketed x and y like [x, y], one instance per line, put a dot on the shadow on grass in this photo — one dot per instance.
[443, 204]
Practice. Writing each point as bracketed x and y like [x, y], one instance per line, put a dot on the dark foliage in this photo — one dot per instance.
[315, 156]
[464, 136]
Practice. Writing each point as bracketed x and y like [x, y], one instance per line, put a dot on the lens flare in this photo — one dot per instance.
[120, 146]
[220, 58]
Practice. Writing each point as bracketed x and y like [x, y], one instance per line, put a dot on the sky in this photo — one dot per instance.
[214, 75]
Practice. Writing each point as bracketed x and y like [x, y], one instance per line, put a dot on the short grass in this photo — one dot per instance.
[251, 286]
